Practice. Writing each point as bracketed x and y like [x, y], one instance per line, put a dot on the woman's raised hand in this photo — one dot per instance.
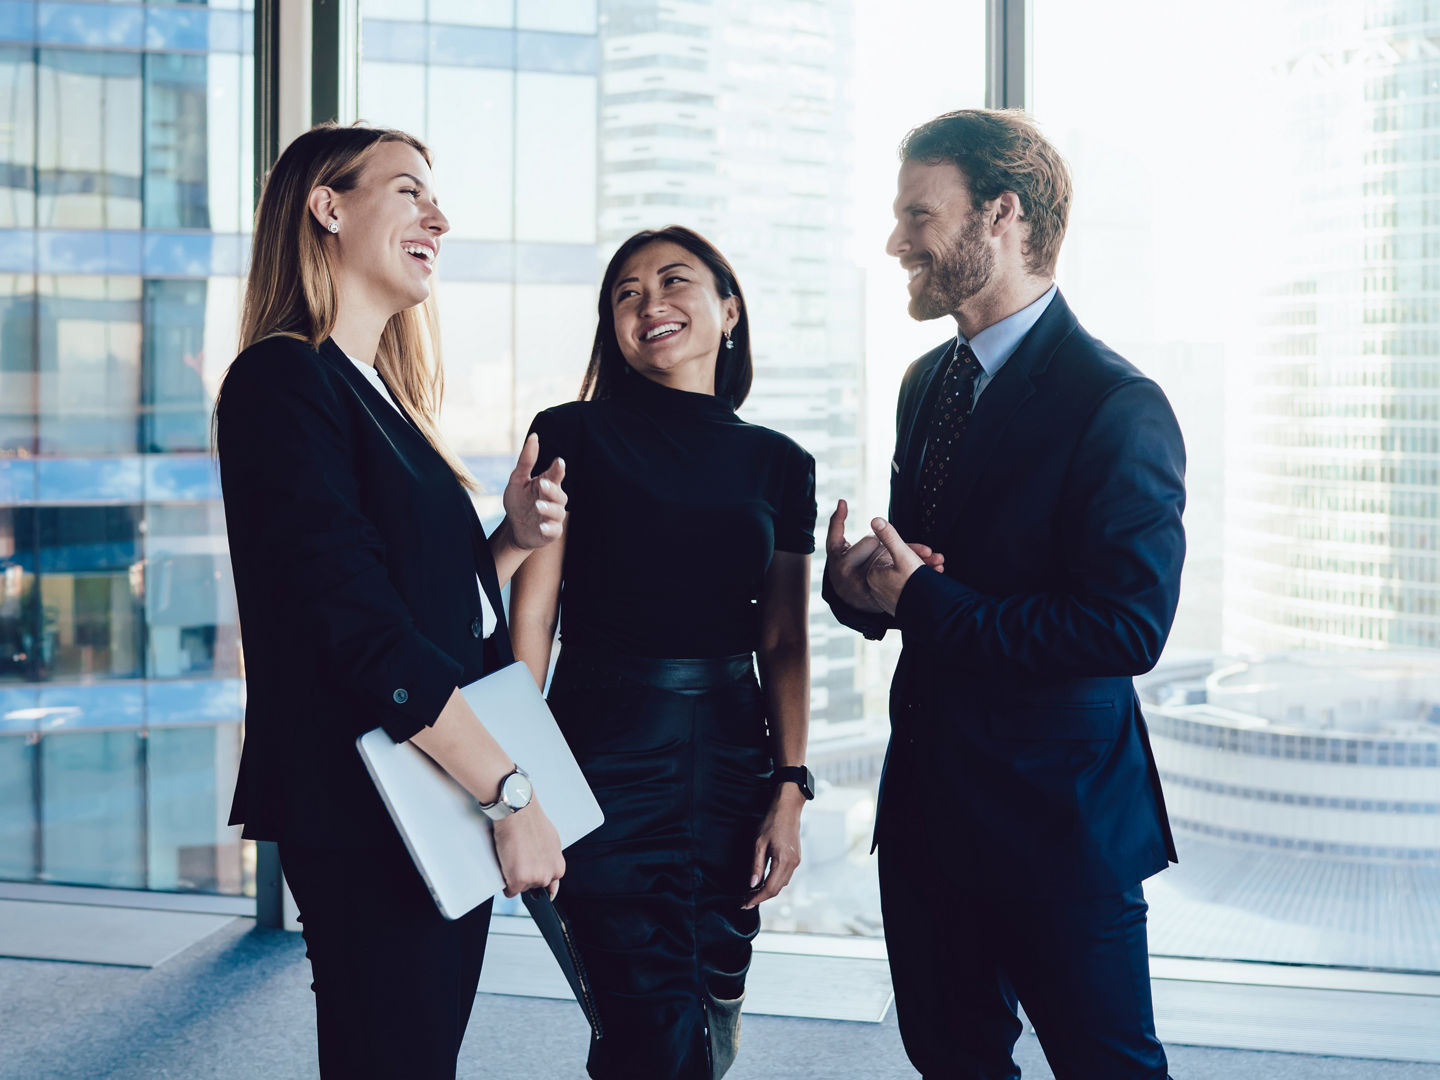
[535, 505]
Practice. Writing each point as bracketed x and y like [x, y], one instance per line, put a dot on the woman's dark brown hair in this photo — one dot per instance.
[734, 369]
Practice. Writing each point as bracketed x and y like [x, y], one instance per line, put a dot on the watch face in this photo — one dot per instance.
[516, 791]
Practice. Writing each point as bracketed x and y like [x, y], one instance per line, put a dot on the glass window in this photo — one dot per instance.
[393, 95]
[126, 187]
[89, 364]
[190, 618]
[91, 583]
[474, 12]
[476, 341]
[1297, 346]
[177, 402]
[566, 16]
[17, 364]
[472, 125]
[554, 328]
[177, 145]
[19, 613]
[190, 772]
[17, 138]
[468, 46]
[92, 808]
[396, 9]
[394, 42]
[555, 122]
[18, 824]
[573, 53]
[229, 149]
[88, 139]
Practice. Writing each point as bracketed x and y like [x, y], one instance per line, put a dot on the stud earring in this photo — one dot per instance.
[334, 226]
[729, 344]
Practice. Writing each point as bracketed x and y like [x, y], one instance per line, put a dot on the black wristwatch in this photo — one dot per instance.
[798, 774]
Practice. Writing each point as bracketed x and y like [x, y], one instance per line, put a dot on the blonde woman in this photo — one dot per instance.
[367, 591]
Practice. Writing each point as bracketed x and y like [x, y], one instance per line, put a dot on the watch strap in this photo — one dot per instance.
[796, 774]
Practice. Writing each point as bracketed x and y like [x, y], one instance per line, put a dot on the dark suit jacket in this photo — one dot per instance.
[355, 552]
[1019, 755]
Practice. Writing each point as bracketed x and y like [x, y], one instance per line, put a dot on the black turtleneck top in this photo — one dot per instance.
[676, 507]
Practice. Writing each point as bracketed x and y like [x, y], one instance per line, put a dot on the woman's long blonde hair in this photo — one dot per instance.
[290, 291]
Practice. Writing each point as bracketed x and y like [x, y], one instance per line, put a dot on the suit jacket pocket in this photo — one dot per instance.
[1065, 720]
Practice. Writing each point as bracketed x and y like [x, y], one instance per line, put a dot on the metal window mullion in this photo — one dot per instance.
[266, 82]
[334, 60]
[1008, 30]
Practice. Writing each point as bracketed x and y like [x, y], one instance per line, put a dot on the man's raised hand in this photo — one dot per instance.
[848, 566]
[535, 505]
[846, 563]
[888, 572]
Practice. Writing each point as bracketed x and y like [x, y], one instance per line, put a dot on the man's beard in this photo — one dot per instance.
[957, 275]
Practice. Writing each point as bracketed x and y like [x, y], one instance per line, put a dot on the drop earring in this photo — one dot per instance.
[334, 226]
[729, 344]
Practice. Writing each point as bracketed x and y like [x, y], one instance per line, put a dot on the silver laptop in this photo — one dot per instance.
[447, 836]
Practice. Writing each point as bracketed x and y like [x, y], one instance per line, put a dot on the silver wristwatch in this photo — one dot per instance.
[516, 791]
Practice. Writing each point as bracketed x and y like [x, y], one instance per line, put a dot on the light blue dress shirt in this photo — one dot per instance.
[994, 345]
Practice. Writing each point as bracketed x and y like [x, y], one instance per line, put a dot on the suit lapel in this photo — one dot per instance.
[394, 424]
[391, 419]
[490, 583]
[911, 444]
[1001, 400]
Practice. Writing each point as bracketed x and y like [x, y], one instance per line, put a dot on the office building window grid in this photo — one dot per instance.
[125, 187]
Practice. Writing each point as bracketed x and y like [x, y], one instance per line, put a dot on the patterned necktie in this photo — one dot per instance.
[947, 428]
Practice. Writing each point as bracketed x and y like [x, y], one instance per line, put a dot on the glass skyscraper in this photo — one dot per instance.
[1335, 531]
[125, 190]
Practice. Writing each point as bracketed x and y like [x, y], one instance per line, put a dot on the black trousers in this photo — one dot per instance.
[960, 960]
[394, 980]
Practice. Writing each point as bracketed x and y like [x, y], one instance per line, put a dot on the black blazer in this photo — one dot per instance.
[355, 553]
[1018, 749]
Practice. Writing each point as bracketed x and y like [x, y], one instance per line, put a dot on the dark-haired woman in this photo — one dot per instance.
[684, 561]
[367, 593]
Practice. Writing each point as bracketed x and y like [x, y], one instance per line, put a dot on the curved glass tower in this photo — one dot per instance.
[1333, 533]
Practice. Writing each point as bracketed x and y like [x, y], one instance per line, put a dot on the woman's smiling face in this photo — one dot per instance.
[669, 316]
[389, 229]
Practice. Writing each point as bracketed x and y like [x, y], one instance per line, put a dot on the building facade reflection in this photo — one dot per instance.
[126, 175]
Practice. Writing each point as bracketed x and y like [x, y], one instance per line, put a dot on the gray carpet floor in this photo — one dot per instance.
[237, 1006]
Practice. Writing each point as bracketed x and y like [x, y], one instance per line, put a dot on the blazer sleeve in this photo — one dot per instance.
[1123, 546]
[874, 624]
[292, 507]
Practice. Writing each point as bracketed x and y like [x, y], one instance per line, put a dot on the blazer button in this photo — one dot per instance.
[477, 627]
[400, 697]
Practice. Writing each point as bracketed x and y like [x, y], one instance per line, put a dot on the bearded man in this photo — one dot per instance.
[1031, 561]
